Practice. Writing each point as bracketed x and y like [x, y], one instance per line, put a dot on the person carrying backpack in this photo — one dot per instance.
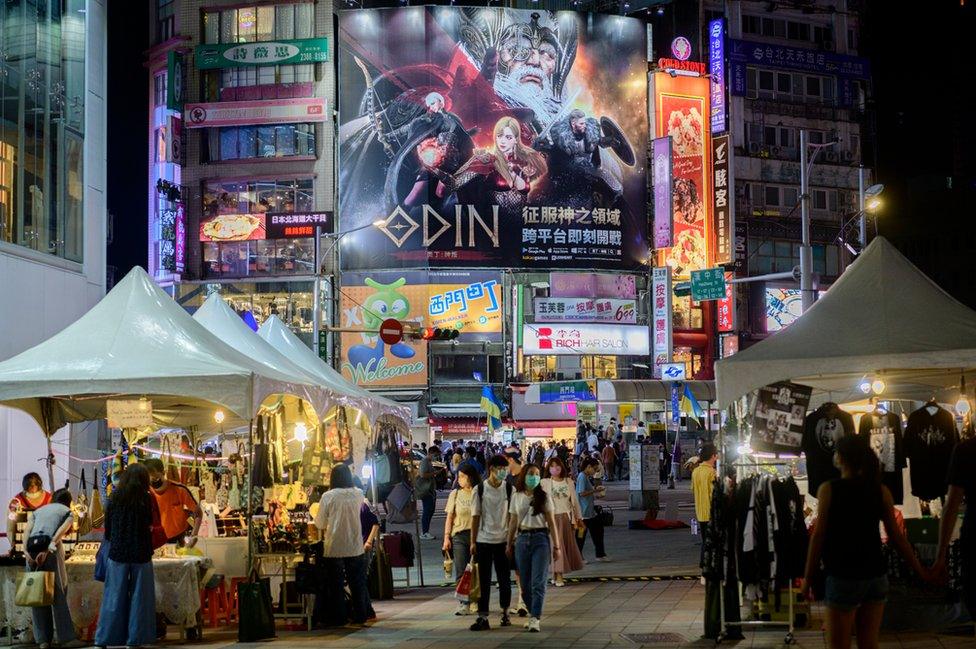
[489, 528]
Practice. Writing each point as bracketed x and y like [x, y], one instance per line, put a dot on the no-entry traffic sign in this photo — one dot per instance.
[391, 331]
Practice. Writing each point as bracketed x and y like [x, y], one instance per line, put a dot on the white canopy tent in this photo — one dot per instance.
[883, 318]
[138, 342]
[281, 338]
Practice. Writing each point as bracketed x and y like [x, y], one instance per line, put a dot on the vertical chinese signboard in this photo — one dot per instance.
[680, 110]
[716, 68]
[721, 205]
[726, 307]
[661, 316]
[175, 81]
[663, 216]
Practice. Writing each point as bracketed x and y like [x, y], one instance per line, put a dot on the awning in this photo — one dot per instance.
[456, 411]
[542, 424]
[620, 391]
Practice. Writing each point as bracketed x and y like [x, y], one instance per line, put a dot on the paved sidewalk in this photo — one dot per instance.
[654, 614]
[635, 553]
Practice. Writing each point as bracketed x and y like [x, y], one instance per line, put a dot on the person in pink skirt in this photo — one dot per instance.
[561, 491]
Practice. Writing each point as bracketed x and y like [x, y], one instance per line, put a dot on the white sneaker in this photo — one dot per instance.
[463, 609]
[427, 536]
[559, 583]
[533, 625]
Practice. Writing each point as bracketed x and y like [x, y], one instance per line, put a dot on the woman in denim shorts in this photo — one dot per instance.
[847, 539]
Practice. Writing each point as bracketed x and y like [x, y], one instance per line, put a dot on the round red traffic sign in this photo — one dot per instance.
[391, 331]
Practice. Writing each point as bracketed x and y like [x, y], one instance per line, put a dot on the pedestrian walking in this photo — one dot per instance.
[489, 528]
[45, 552]
[962, 484]
[586, 492]
[561, 495]
[702, 485]
[339, 520]
[610, 461]
[457, 525]
[128, 612]
[847, 538]
[676, 462]
[532, 539]
[425, 489]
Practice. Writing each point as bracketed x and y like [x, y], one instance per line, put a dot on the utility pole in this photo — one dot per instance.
[862, 214]
[806, 251]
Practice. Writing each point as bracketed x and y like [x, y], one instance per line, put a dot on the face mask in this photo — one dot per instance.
[156, 484]
[555, 471]
[532, 481]
[501, 474]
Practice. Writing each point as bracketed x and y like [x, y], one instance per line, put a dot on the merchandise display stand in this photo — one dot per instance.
[790, 621]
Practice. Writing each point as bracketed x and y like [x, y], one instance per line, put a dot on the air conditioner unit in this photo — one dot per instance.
[827, 46]
[754, 148]
[847, 156]
[831, 156]
[775, 151]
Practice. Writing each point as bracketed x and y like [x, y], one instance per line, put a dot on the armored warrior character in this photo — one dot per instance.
[581, 173]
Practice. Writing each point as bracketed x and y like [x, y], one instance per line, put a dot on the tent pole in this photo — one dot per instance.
[250, 500]
[50, 466]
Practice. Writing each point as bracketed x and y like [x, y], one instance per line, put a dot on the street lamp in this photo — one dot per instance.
[868, 201]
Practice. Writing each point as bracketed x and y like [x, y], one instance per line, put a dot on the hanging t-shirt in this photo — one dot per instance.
[822, 429]
[962, 474]
[929, 440]
[886, 441]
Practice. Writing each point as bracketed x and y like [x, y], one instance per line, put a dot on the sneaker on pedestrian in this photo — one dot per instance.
[604, 559]
[463, 609]
[427, 536]
[523, 610]
[73, 644]
[481, 624]
[533, 625]
[505, 620]
[559, 583]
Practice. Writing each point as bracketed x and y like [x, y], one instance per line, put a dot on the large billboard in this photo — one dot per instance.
[680, 110]
[469, 301]
[491, 137]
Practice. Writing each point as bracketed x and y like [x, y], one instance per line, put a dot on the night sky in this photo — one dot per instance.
[922, 140]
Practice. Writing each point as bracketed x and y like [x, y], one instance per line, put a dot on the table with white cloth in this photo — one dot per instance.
[229, 555]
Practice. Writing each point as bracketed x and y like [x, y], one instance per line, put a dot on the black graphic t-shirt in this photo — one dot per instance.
[822, 429]
[929, 440]
[962, 473]
[886, 442]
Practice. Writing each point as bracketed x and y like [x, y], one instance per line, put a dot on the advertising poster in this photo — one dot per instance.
[661, 316]
[583, 309]
[680, 110]
[366, 300]
[716, 68]
[662, 160]
[777, 417]
[492, 137]
[233, 227]
[592, 285]
[470, 302]
[582, 339]
[721, 195]
[726, 307]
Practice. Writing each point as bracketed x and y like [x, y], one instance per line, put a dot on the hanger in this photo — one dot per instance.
[932, 405]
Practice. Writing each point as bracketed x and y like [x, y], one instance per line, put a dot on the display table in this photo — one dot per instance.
[229, 555]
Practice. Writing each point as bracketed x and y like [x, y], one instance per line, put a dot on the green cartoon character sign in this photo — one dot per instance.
[386, 302]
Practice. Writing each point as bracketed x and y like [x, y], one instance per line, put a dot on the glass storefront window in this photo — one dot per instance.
[243, 142]
[685, 314]
[261, 258]
[42, 127]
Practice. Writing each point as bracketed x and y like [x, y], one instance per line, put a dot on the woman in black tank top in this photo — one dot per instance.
[847, 540]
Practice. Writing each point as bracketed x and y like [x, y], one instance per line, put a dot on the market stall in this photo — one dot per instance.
[882, 349]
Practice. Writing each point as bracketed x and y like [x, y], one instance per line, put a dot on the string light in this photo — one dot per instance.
[219, 416]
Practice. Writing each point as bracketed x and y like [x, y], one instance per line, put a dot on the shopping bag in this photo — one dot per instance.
[475, 592]
[380, 576]
[463, 590]
[35, 588]
[96, 513]
[254, 605]
[101, 561]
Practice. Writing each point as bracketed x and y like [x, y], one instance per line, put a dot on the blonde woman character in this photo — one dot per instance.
[506, 170]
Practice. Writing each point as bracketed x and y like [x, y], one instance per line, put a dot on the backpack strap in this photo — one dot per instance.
[508, 491]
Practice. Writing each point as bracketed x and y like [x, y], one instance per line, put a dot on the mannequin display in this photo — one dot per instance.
[885, 437]
[930, 436]
[822, 429]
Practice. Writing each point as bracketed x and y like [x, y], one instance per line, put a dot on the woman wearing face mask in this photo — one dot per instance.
[33, 497]
[566, 512]
[489, 526]
[457, 526]
[532, 539]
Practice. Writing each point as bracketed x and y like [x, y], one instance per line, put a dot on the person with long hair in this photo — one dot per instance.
[586, 491]
[457, 525]
[507, 169]
[566, 513]
[339, 521]
[847, 539]
[533, 539]
[32, 497]
[128, 613]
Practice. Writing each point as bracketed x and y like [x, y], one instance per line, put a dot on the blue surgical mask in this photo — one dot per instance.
[501, 474]
[532, 481]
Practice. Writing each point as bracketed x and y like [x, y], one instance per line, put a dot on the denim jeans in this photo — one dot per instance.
[47, 619]
[330, 602]
[488, 555]
[128, 614]
[533, 554]
[430, 502]
[461, 552]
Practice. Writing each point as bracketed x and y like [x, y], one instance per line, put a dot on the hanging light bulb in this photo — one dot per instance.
[878, 386]
[865, 386]
[963, 406]
[301, 432]
[219, 416]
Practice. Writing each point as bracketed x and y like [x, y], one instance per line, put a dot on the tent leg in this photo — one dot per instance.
[250, 500]
[50, 464]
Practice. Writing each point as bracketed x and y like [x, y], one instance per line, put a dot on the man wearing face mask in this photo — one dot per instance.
[176, 504]
[489, 527]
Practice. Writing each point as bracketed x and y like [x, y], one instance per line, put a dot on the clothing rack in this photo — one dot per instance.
[789, 623]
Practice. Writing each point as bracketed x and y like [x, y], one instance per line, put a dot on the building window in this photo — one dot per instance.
[773, 256]
[263, 258]
[790, 87]
[257, 197]
[244, 142]
[159, 89]
[165, 20]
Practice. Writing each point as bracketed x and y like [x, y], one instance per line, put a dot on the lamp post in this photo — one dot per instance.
[806, 251]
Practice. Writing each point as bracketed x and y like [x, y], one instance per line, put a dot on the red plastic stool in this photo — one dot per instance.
[213, 604]
[232, 607]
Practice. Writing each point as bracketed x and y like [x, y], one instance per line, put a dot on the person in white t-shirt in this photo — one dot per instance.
[489, 529]
[561, 491]
[342, 548]
[532, 539]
